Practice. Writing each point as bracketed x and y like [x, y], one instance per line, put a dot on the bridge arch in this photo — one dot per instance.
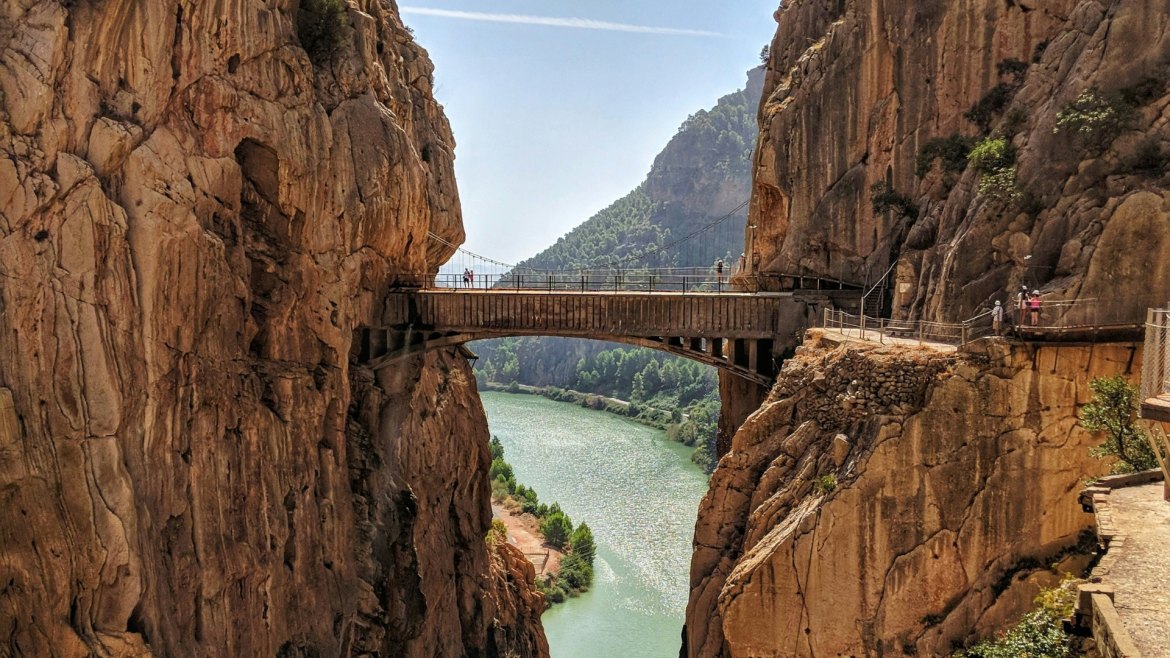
[740, 333]
[751, 359]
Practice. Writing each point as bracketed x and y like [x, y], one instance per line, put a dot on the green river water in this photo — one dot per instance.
[638, 491]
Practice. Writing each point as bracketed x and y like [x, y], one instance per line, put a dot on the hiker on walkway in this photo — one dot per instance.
[1034, 307]
[471, 277]
[466, 278]
[742, 264]
[719, 272]
[1021, 306]
[997, 318]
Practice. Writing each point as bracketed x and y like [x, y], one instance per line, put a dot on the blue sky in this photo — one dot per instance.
[553, 123]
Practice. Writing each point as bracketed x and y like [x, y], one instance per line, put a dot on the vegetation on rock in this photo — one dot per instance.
[321, 28]
[1040, 634]
[576, 569]
[951, 150]
[1113, 411]
[883, 197]
[995, 160]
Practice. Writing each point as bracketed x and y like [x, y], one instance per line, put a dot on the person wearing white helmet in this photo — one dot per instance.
[1034, 306]
[997, 318]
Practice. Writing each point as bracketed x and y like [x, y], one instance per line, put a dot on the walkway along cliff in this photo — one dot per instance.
[883, 501]
[198, 209]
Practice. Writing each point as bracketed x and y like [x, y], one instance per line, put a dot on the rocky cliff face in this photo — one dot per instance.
[887, 501]
[194, 220]
[856, 92]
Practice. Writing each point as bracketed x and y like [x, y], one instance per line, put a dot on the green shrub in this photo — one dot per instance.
[1095, 118]
[575, 572]
[556, 529]
[497, 534]
[1013, 68]
[1040, 634]
[995, 160]
[883, 197]
[993, 103]
[951, 150]
[582, 543]
[1113, 410]
[991, 155]
[827, 483]
[321, 27]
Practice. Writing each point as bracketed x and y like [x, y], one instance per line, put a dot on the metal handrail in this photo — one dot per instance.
[1156, 355]
[641, 280]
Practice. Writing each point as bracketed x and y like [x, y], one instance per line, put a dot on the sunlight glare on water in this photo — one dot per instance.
[638, 491]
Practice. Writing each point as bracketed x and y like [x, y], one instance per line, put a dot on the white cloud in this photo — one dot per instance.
[552, 21]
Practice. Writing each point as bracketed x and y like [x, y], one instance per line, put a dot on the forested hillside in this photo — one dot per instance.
[701, 176]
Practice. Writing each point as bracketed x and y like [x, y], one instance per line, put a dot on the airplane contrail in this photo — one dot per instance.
[553, 21]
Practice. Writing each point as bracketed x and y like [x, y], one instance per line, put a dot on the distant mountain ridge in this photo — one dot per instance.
[703, 173]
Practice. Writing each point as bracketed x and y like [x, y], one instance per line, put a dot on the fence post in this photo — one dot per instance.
[882, 331]
[651, 283]
[920, 328]
[862, 322]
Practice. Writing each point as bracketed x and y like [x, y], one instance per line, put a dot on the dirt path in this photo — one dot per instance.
[524, 533]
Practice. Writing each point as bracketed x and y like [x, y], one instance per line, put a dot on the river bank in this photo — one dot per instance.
[524, 533]
[638, 491]
[641, 414]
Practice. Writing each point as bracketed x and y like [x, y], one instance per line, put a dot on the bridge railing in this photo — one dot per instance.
[659, 280]
[1156, 356]
[884, 330]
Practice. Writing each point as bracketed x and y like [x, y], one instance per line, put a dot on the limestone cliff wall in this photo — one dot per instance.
[194, 220]
[883, 501]
[857, 88]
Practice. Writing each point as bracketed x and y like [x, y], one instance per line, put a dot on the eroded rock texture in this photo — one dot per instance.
[194, 220]
[857, 88]
[886, 501]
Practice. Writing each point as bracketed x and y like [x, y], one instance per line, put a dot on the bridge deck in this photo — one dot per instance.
[594, 313]
[741, 333]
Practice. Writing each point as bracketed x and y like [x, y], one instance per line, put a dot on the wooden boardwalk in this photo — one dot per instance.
[738, 332]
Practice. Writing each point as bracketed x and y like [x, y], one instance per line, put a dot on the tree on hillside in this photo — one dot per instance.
[1113, 410]
[582, 543]
[556, 529]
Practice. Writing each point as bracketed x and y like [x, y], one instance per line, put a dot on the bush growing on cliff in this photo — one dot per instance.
[1113, 411]
[321, 28]
[995, 160]
[1095, 118]
[883, 197]
[951, 150]
[1040, 634]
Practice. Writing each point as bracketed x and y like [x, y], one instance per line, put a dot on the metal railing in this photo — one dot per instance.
[1156, 356]
[882, 330]
[698, 279]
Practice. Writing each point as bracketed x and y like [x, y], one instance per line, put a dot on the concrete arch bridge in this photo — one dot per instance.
[743, 333]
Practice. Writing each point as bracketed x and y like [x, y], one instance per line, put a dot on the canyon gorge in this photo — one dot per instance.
[199, 212]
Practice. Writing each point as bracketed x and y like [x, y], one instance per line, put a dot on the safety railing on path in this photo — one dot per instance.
[703, 280]
[883, 330]
[1156, 356]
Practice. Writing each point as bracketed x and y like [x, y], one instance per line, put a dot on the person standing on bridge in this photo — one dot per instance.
[1034, 306]
[719, 272]
[997, 318]
[466, 278]
[1022, 306]
[471, 277]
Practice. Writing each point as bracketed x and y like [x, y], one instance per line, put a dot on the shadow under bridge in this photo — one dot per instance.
[741, 333]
